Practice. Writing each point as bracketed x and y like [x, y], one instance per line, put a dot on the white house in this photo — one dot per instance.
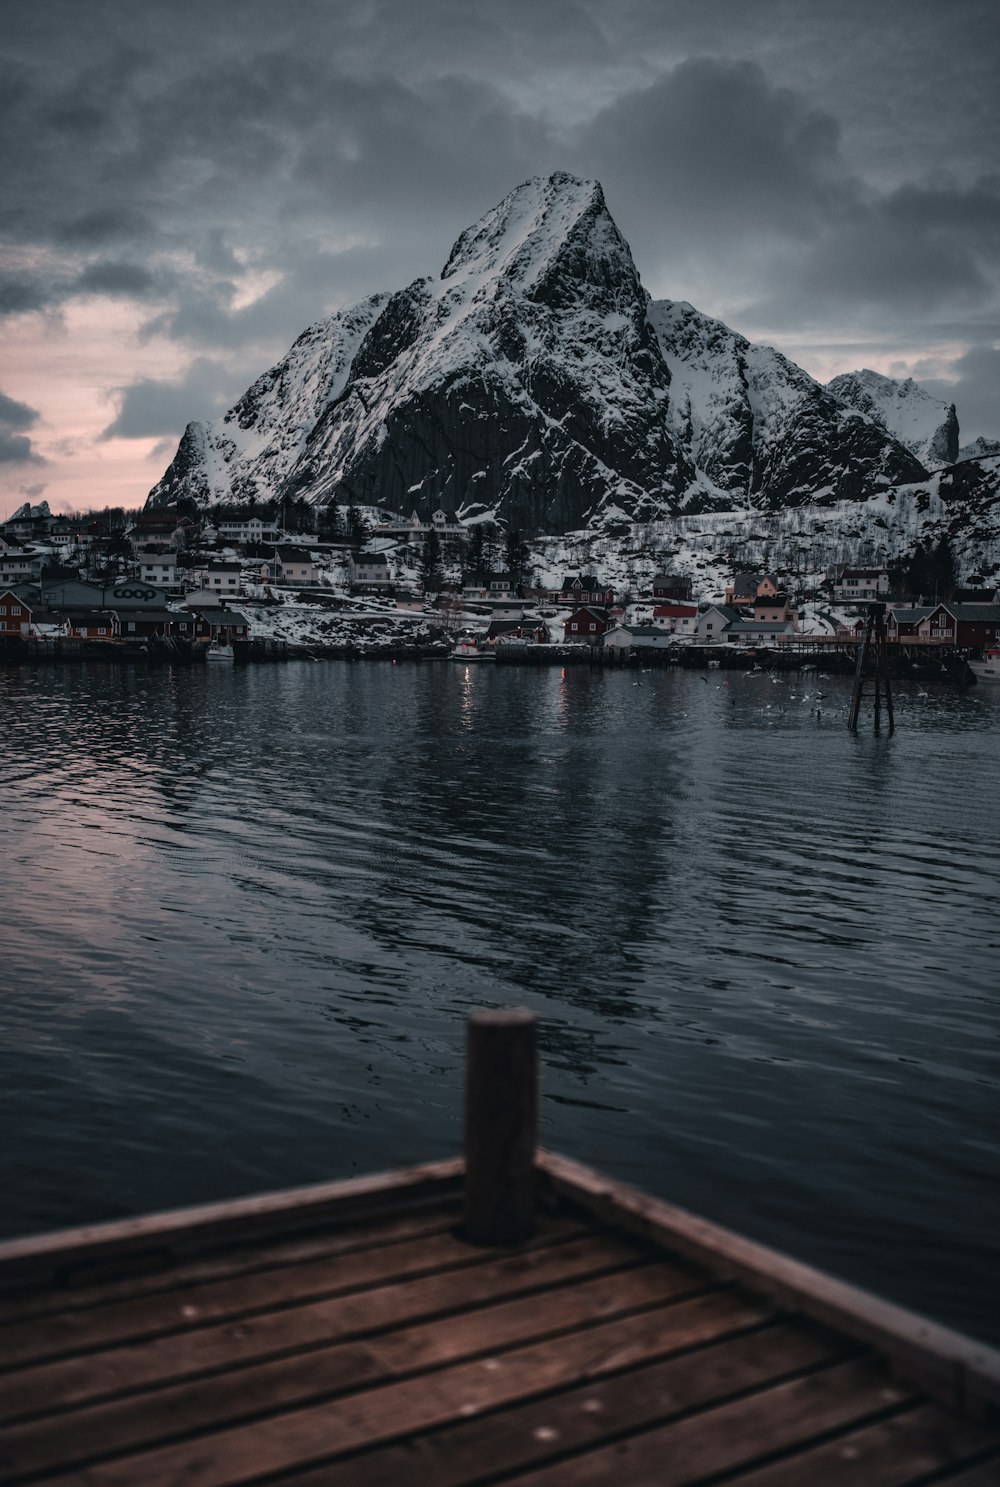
[291, 567]
[861, 585]
[159, 568]
[714, 622]
[217, 578]
[247, 529]
[368, 570]
[413, 529]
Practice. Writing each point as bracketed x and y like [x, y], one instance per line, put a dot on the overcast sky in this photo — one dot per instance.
[188, 184]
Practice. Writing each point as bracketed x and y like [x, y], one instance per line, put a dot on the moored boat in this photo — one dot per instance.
[987, 669]
[217, 652]
[468, 650]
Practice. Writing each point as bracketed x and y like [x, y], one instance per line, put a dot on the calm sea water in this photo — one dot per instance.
[246, 913]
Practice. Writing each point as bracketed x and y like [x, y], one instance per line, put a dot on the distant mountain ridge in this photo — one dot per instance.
[927, 426]
[534, 379]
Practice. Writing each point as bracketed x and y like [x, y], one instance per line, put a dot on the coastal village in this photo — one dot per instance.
[160, 581]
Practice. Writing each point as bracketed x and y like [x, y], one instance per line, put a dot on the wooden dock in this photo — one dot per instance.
[353, 1334]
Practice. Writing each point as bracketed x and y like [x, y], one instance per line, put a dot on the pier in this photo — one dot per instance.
[507, 1316]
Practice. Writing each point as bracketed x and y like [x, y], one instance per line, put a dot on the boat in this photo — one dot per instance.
[988, 668]
[714, 665]
[217, 652]
[468, 650]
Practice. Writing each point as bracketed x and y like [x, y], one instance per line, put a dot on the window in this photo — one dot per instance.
[573, 625]
[3, 609]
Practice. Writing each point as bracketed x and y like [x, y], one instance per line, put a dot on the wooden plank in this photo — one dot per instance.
[986, 1474]
[305, 1436]
[891, 1453]
[202, 1350]
[960, 1371]
[186, 1231]
[731, 1435]
[183, 1309]
[586, 1415]
[208, 1403]
[89, 1287]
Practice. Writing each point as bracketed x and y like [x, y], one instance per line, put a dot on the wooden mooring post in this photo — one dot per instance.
[501, 1117]
[875, 641]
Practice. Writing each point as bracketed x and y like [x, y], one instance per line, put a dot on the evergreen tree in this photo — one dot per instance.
[357, 528]
[516, 556]
[942, 566]
[429, 563]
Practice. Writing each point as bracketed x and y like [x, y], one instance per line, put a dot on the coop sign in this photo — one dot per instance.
[145, 595]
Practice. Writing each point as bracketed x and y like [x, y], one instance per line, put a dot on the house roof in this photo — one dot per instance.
[586, 581]
[292, 555]
[215, 615]
[728, 611]
[92, 617]
[592, 610]
[767, 601]
[861, 573]
[131, 616]
[677, 607]
[503, 627]
[10, 594]
[218, 567]
[910, 616]
[990, 613]
[366, 559]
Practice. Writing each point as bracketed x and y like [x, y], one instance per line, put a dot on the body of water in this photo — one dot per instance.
[247, 911]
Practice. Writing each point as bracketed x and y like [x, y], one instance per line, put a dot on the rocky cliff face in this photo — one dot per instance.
[248, 454]
[526, 380]
[760, 429]
[927, 426]
[534, 379]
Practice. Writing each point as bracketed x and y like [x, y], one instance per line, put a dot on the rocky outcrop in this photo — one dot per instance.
[927, 426]
[247, 454]
[762, 431]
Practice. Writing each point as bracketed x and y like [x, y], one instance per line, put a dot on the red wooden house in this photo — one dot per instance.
[15, 615]
[587, 625]
[668, 586]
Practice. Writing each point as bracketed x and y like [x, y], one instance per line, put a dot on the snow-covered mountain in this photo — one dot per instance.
[980, 449]
[534, 379]
[248, 453]
[760, 428]
[927, 426]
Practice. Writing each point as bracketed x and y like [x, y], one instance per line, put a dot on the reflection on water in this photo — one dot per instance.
[248, 912]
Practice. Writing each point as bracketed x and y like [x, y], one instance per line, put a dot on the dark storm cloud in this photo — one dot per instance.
[782, 165]
[15, 446]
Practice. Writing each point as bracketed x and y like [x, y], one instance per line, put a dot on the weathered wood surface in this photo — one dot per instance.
[962, 1373]
[390, 1350]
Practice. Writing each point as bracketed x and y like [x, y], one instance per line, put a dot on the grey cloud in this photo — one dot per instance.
[975, 390]
[128, 279]
[150, 409]
[15, 446]
[109, 224]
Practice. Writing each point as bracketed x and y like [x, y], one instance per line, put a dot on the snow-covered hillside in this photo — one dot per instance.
[927, 426]
[247, 454]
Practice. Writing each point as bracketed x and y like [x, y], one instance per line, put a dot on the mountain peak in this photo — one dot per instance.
[529, 225]
[926, 425]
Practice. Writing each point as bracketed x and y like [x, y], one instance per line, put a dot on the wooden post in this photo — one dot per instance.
[501, 1112]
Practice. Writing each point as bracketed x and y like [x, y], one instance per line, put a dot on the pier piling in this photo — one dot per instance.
[501, 1115]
